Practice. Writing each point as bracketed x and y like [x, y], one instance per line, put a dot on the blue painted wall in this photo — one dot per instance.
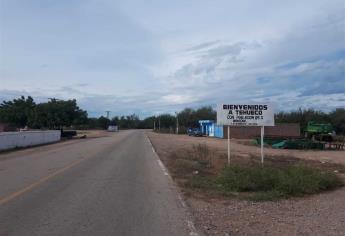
[218, 131]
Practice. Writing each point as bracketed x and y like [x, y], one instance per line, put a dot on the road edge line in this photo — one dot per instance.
[190, 224]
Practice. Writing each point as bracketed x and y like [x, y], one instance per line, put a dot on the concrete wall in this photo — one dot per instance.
[10, 140]
[279, 130]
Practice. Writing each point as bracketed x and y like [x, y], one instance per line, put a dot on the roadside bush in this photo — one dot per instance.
[243, 179]
[299, 180]
[203, 154]
[201, 182]
[270, 183]
[186, 166]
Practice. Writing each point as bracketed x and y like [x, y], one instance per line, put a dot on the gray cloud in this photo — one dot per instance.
[225, 50]
[202, 46]
[307, 61]
[106, 57]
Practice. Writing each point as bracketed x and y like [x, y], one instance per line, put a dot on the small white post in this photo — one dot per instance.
[228, 145]
[262, 144]
[176, 122]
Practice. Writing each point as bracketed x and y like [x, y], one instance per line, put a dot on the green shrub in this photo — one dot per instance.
[270, 183]
[200, 182]
[185, 165]
[202, 153]
[246, 179]
[266, 196]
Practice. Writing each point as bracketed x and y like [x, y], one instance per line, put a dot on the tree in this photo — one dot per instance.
[337, 118]
[17, 111]
[205, 113]
[190, 117]
[56, 114]
[114, 121]
[302, 117]
[148, 122]
[167, 121]
[103, 122]
[92, 123]
[187, 118]
[128, 122]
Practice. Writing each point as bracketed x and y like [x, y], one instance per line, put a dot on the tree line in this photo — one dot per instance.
[335, 117]
[53, 114]
[56, 114]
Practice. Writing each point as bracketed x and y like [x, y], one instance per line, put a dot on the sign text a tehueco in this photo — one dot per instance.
[245, 114]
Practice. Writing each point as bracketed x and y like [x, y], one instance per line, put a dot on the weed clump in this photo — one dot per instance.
[280, 178]
[268, 183]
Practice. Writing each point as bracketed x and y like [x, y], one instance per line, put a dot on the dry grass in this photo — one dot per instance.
[203, 170]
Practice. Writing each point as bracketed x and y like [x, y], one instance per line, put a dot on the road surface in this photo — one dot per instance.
[105, 186]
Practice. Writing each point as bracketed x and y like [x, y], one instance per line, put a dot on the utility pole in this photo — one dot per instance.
[176, 122]
[108, 113]
[154, 125]
[159, 123]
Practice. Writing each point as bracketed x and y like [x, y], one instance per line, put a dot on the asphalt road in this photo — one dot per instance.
[106, 186]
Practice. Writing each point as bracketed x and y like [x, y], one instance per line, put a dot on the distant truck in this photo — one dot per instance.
[319, 131]
[113, 128]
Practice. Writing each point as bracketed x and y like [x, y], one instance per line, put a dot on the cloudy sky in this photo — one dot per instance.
[149, 57]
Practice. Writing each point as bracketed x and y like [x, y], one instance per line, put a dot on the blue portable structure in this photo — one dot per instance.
[218, 131]
[207, 127]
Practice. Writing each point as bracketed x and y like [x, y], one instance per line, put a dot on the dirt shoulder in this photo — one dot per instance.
[321, 214]
[240, 149]
[94, 133]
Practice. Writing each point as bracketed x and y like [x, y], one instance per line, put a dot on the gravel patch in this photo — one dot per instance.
[322, 214]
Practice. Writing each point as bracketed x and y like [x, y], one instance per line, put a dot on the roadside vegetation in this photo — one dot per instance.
[57, 113]
[268, 183]
[203, 171]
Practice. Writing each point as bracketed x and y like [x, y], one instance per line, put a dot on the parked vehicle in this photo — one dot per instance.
[68, 134]
[194, 132]
[113, 128]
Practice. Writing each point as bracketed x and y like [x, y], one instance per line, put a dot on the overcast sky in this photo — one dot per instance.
[149, 57]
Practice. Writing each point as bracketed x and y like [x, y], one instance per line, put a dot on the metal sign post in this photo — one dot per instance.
[176, 122]
[159, 123]
[262, 144]
[228, 145]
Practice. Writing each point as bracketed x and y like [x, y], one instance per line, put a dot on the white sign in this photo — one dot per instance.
[245, 114]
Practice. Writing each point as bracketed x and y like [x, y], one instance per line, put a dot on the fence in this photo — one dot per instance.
[10, 140]
[279, 130]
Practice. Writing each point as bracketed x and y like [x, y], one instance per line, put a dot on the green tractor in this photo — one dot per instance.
[319, 131]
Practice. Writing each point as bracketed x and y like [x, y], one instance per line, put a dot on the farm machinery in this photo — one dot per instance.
[319, 131]
[316, 136]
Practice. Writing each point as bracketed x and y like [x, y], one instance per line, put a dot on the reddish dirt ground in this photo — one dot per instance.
[321, 214]
[240, 149]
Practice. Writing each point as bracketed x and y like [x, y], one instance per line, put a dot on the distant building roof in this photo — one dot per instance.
[206, 121]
